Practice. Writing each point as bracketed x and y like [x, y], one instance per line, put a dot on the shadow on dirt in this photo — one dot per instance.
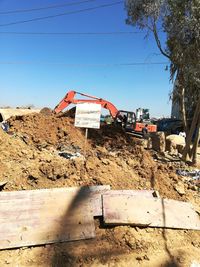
[75, 253]
[172, 262]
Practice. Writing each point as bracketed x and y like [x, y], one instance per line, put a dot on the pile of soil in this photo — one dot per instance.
[30, 160]
[46, 129]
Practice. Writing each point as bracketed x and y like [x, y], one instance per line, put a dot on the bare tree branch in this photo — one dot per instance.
[158, 41]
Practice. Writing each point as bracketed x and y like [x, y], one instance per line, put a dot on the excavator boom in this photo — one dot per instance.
[70, 99]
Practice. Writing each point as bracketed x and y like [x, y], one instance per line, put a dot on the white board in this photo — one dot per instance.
[88, 115]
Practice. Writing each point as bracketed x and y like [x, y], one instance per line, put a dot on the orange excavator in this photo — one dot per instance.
[125, 118]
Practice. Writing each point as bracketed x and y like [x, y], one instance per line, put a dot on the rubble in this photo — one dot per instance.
[68, 155]
[191, 177]
[179, 187]
[158, 141]
[175, 143]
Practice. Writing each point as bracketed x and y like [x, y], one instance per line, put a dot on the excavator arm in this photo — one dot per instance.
[70, 99]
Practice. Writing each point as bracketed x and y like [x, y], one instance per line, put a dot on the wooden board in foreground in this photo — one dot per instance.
[44, 216]
[152, 212]
[144, 193]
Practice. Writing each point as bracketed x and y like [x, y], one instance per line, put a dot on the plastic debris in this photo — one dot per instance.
[192, 177]
[69, 155]
[194, 174]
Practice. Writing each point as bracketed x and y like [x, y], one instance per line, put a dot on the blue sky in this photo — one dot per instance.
[44, 83]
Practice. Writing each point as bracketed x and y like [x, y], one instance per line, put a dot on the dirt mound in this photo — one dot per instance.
[46, 130]
[112, 137]
[27, 167]
[112, 157]
[46, 111]
[30, 160]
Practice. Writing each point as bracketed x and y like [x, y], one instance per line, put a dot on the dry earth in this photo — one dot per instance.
[30, 160]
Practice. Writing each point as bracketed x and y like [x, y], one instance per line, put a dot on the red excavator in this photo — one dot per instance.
[125, 118]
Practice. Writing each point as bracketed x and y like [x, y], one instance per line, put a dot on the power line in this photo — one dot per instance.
[62, 14]
[69, 33]
[82, 65]
[44, 8]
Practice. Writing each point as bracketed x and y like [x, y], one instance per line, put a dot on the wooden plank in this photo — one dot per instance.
[44, 216]
[144, 193]
[93, 194]
[152, 212]
[95, 200]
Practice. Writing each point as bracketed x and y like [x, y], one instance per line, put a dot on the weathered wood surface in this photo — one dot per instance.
[43, 216]
[152, 212]
[144, 193]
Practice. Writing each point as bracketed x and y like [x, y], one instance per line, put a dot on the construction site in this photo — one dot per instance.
[100, 133]
[108, 200]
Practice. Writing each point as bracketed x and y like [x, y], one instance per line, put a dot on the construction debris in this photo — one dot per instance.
[175, 143]
[68, 155]
[195, 174]
[158, 141]
[179, 187]
[192, 177]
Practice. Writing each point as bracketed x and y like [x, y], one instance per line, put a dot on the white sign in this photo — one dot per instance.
[88, 115]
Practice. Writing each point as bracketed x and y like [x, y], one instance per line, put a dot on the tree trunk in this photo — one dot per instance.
[191, 131]
[196, 143]
[181, 98]
[182, 107]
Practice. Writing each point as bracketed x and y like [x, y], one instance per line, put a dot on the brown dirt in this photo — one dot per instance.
[30, 160]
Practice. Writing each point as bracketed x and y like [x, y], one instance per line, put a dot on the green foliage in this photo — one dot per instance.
[180, 20]
[141, 12]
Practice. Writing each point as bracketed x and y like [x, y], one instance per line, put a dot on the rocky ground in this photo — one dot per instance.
[33, 156]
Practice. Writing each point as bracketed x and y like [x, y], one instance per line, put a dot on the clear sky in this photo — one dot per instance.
[42, 68]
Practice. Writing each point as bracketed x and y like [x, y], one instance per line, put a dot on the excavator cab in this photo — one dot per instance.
[130, 123]
[127, 119]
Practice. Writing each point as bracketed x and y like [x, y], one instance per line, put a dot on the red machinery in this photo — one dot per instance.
[127, 118]
[69, 99]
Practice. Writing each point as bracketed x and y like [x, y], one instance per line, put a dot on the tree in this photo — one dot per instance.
[180, 21]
